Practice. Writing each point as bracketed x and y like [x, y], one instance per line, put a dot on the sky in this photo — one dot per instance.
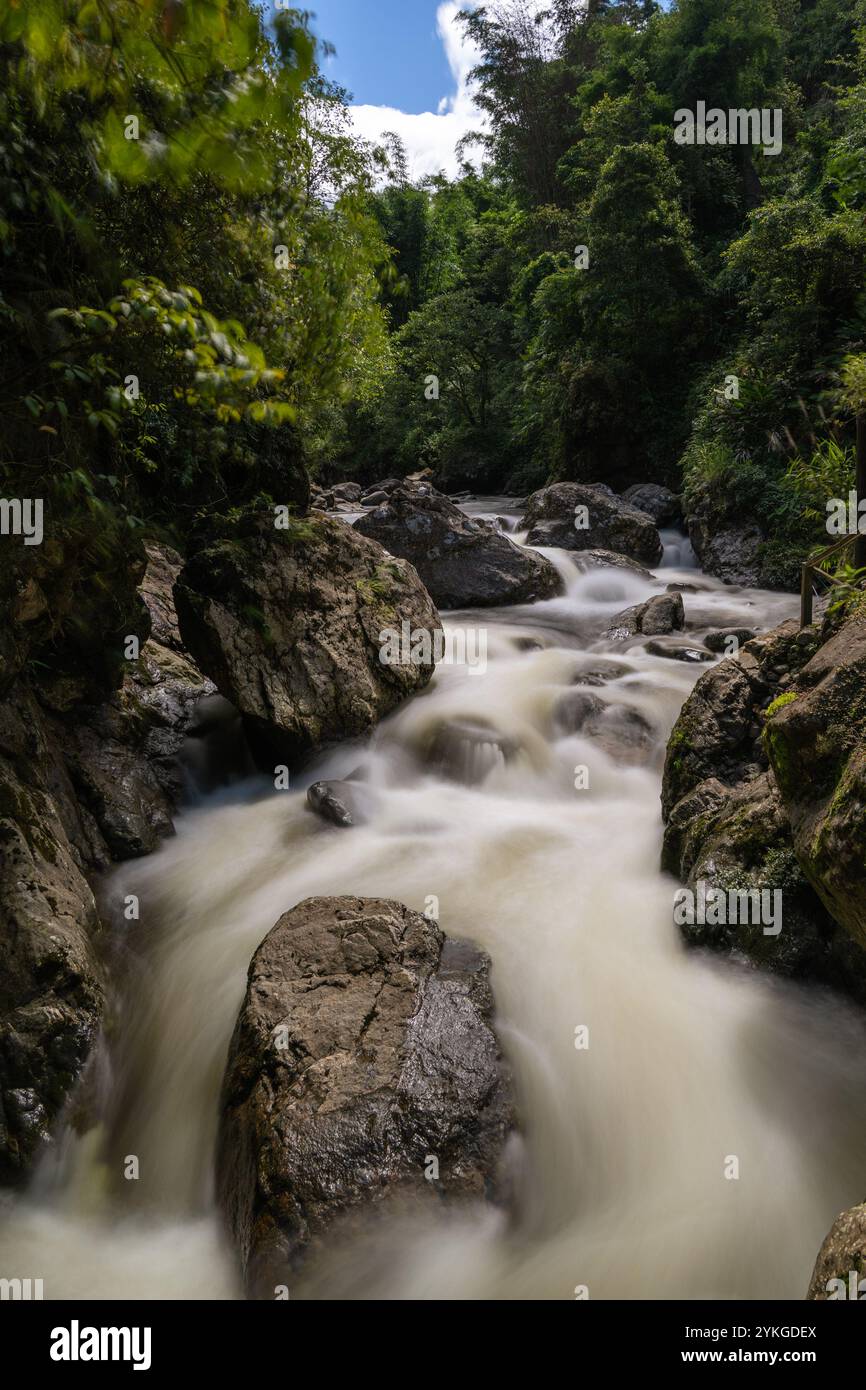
[406, 64]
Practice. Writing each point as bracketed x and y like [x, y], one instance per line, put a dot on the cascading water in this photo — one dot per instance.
[471, 798]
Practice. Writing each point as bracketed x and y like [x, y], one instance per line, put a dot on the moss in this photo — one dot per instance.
[256, 619]
[779, 703]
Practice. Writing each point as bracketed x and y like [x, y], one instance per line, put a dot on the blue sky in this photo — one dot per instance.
[388, 51]
[406, 64]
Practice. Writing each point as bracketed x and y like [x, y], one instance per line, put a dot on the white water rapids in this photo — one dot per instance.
[691, 1060]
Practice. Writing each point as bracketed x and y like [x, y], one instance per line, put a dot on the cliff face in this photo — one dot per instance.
[89, 775]
[747, 799]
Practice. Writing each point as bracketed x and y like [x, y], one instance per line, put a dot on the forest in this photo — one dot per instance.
[244, 296]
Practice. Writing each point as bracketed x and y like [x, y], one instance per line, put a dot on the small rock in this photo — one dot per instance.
[689, 654]
[661, 614]
[339, 802]
[718, 641]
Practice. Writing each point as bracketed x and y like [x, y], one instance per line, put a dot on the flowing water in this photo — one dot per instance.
[472, 800]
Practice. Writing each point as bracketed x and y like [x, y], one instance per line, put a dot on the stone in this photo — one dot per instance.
[290, 626]
[464, 562]
[613, 524]
[364, 1048]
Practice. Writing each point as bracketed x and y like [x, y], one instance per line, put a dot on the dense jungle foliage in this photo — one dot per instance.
[211, 290]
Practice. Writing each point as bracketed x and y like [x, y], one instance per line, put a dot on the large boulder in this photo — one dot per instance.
[663, 613]
[551, 519]
[730, 551]
[816, 741]
[363, 1074]
[290, 626]
[464, 562]
[719, 730]
[727, 825]
[657, 501]
[840, 1269]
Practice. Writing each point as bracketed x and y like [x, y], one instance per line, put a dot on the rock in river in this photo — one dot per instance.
[464, 562]
[552, 514]
[363, 1050]
[289, 624]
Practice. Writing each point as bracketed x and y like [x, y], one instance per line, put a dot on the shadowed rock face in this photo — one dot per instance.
[728, 821]
[363, 1048]
[51, 984]
[464, 563]
[289, 627]
[817, 747]
[657, 501]
[81, 785]
[613, 523]
[731, 553]
[840, 1269]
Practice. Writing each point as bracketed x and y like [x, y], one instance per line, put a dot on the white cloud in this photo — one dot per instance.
[431, 136]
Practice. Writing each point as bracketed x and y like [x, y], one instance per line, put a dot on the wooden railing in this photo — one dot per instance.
[812, 568]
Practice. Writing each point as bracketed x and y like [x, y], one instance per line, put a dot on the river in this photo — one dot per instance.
[622, 1186]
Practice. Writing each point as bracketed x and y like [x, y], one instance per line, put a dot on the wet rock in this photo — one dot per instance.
[374, 499]
[289, 626]
[620, 730]
[720, 641]
[657, 501]
[738, 839]
[625, 734]
[342, 803]
[124, 755]
[731, 553]
[347, 492]
[613, 524]
[727, 824]
[575, 710]
[691, 655]
[816, 741]
[83, 782]
[608, 559]
[52, 988]
[468, 751]
[661, 613]
[718, 733]
[363, 1049]
[464, 562]
[600, 672]
[840, 1269]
